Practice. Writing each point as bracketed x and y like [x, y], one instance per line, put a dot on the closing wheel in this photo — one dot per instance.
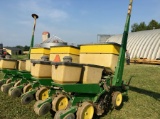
[15, 92]
[42, 93]
[17, 83]
[5, 88]
[117, 99]
[27, 98]
[60, 103]
[8, 81]
[86, 111]
[43, 109]
[58, 113]
[27, 88]
[69, 116]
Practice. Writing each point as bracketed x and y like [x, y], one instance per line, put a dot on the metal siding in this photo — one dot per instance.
[145, 44]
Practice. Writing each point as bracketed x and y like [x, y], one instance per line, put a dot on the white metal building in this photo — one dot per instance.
[142, 44]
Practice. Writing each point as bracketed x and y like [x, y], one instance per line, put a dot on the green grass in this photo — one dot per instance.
[143, 101]
[20, 56]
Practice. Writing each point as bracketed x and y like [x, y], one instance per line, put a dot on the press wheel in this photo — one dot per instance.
[27, 88]
[117, 99]
[43, 109]
[86, 111]
[17, 83]
[60, 103]
[5, 88]
[15, 92]
[42, 93]
[27, 98]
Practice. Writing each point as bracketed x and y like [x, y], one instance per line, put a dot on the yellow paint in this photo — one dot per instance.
[44, 94]
[9, 51]
[64, 50]
[88, 112]
[100, 48]
[75, 58]
[40, 51]
[62, 103]
[119, 99]
[8, 64]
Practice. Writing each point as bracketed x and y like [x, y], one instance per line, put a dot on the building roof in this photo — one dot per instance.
[142, 44]
[12, 48]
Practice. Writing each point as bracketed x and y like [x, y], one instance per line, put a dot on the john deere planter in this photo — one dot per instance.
[92, 86]
[74, 83]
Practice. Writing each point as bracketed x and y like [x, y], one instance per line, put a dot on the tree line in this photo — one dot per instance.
[24, 48]
[153, 24]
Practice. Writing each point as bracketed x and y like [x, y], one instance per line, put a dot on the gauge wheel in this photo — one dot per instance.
[117, 99]
[43, 109]
[42, 93]
[60, 103]
[17, 83]
[27, 98]
[27, 88]
[86, 111]
[15, 92]
[5, 88]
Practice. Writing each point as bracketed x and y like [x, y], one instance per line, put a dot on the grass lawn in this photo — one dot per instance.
[143, 101]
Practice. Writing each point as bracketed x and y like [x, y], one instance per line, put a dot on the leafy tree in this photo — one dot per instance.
[26, 48]
[19, 46]
[142, 26]
[134, 27]
[153, 25]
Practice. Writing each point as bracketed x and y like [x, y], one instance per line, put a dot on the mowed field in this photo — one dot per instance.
[143, 98]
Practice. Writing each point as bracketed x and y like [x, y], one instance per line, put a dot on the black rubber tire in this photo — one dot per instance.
[44, 109]
[5, 88]
[58, 113]
[16, 92]
[69, 116]
[26, 99]
[35, 107]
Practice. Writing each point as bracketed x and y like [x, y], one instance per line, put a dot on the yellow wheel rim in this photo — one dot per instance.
[62, 103]
[119, 99]
[44, 94]
[88, 112]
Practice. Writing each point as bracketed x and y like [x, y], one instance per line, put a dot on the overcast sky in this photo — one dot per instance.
[74, 21]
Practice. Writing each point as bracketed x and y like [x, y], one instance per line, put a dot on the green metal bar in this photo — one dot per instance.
[32, 39]
[80, 88]
[33, 91]
[117, 79]
[47, 100]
